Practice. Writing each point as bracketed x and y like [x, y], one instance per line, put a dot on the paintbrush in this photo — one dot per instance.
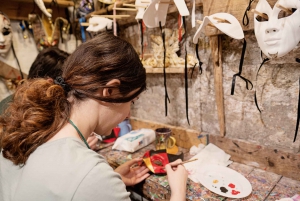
[183, 162]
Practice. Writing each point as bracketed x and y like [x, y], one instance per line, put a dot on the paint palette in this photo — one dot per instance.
[224, 181]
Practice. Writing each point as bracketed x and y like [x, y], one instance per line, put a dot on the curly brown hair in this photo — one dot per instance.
[41, 108]
[38, 111]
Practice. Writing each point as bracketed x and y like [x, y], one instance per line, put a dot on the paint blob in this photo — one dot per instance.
[233, 192]
[231, 185]
[223, 189]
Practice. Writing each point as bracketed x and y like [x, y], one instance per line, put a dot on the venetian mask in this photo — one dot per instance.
[157, 12]
[225, 22]
[279, 31]
[5, 33]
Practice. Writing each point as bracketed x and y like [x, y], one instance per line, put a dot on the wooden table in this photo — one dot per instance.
[266, 185]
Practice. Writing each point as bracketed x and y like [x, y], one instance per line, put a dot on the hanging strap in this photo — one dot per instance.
[255, 98]
[245, 17]
[240, 71]
[142, 38]
[198, 58]
[186, 76]
[80, 134]
[164, 67]
[298, 113]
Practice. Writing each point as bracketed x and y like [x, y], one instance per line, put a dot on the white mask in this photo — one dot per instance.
[277, 37]
[5, 33]
[99, 24]
[231, 28]
[157, 12]
[141, 9]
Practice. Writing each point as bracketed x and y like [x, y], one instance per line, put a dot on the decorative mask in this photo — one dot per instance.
[5, 33]
[157, 12]
[141, 9]
[98, 24]
[225, 22]
[279, 32]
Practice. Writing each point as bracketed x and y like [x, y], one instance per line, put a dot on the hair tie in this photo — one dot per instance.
[61, 82]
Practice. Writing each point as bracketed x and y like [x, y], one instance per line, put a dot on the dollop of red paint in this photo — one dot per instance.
[231, 185]
[233, 192]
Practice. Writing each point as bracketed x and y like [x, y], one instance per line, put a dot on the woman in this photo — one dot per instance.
[45, 155]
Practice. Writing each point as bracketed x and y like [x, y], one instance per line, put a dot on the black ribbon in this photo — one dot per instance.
[142, 37]
[61, 82]
[186, 76]
[245, 17]
[298, 113]
[198, 58]
[164, 67]
[240, 72]
[255, 99]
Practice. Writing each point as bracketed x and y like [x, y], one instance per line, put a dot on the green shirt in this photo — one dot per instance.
[61, 170]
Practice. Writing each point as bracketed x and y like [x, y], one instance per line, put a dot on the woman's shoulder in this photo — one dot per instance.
[69, 148]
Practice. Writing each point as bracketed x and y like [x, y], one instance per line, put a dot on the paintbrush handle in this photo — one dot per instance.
[188, 161]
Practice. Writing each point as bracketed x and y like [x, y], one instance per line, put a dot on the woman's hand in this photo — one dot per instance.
[177, 177]
[131, 173]
[92, 140]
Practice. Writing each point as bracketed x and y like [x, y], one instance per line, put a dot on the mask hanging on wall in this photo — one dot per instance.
[5, 34]
[157, 12]
[225, 22]
[277, 31]
[230, 26]
[45, 32]
[140, 5]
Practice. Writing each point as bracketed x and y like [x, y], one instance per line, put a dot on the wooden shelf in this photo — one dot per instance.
[171, 70]
[19, 9]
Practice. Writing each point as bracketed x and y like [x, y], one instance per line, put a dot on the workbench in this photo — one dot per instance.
[266, 185]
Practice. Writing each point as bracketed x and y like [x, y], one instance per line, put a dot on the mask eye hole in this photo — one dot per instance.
[284, 13]
[261, 19]
[6, 32]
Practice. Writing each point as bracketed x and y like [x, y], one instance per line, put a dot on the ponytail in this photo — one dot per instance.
[38, 111]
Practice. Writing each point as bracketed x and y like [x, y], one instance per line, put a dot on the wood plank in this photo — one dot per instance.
[185, 138]
[19, 10]
[216, 50]
[172, 70]
[274, 160]
[236, 8]
[61, 3]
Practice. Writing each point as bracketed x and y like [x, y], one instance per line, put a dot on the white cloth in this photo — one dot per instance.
[211, 154]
